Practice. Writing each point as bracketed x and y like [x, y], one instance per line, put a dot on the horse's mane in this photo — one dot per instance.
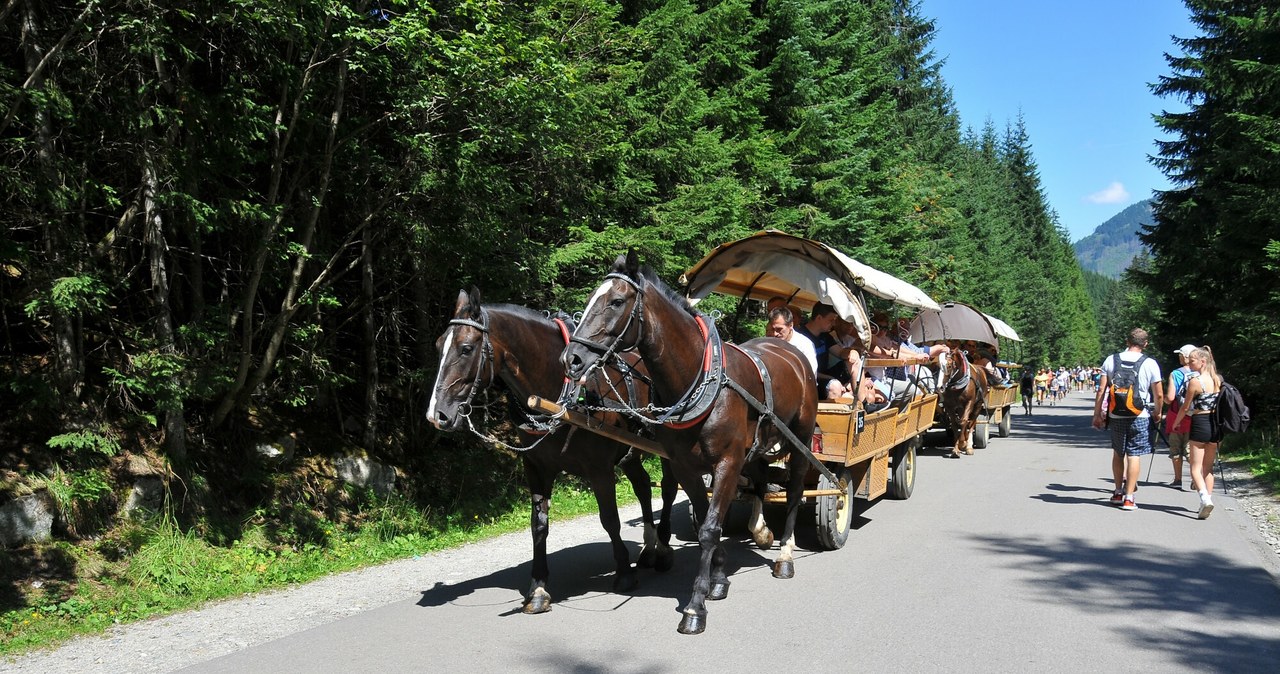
[523, 312]
[649, 275]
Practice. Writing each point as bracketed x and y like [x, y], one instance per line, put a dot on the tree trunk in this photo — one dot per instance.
[289, 306]
[175, 424]
[286, 117]
[68, 367]
[370, 341]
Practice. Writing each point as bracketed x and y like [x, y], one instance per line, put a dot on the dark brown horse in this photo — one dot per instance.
[707, 424]
[963, 392]
[520, 348]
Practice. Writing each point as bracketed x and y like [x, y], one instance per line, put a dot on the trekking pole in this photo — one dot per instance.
[1159, 434]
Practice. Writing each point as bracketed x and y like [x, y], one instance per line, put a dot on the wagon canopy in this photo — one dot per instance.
[804, 272]
[954, 321]
[1002, 329]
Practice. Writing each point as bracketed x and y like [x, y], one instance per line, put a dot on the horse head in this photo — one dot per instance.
[466, 363]
[612, 321]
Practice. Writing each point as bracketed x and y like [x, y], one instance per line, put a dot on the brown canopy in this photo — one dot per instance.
[955, 321]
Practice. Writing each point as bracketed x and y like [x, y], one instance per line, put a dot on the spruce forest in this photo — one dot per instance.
[228, 220]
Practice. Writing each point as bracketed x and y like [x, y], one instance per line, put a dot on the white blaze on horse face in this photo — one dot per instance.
[600, 292]
[604, 288]
[444, 357]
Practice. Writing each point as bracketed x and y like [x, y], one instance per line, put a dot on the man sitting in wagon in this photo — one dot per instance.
[985, 356]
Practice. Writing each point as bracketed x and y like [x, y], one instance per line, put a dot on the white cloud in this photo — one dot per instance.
[1115, 193]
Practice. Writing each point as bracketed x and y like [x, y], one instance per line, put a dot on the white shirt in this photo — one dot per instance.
[806, 347]
[1147, 376]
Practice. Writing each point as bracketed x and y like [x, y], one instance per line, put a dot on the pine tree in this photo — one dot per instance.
[1210, 272]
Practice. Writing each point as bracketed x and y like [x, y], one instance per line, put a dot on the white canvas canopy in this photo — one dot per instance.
[804, 272]
[1002, 328]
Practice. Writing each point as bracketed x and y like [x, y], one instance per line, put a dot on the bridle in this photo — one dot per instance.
[959, 377]
[608, 353]
[543, 426]
[486, 359]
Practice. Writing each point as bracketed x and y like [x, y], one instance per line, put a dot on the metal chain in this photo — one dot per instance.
[638, 413]
[548, 428]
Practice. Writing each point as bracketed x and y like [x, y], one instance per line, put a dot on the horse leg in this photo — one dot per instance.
[760, 532]
[538, 599]
[602, 483]
[710, 579]
[655, 553]
[670, 490]
[957, 425]
[784, 567]
[970, 421]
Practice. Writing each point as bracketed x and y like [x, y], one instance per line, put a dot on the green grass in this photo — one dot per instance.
[155, 568]
[1258, 451]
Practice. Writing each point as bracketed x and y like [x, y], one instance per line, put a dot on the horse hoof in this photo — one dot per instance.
[624, 582]
[718, 591]
[784, 569]
[664, 560]
[954, 455]
[537, 604]
[692, 624]
[764, 540]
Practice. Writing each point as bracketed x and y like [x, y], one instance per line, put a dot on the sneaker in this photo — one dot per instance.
[1130, 505]
[1117, 498]
[1206, 507]
[1176, 484]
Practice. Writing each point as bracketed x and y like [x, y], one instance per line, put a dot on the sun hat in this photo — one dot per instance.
[1186, 350]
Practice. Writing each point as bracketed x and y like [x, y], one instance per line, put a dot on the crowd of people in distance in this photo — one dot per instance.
[1053, 385]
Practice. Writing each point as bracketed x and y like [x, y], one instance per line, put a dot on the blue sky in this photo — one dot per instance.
[1078, 71]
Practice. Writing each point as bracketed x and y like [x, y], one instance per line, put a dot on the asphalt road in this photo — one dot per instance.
[1008, 560]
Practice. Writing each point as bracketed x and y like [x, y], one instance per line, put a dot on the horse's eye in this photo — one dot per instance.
[466, 349]
[616, 303]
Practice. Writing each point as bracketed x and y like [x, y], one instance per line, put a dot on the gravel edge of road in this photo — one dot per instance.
[176, 641]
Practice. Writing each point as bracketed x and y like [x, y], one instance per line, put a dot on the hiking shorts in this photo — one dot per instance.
[1204, 428]
[1178, 445]
[1130, 436]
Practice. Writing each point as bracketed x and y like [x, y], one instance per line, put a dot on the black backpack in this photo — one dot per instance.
[1230, 411]
[1124, 395]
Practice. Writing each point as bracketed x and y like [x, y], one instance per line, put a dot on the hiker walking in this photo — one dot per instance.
[1130, 383]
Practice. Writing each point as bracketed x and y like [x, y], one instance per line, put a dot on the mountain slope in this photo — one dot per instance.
[1114, 244]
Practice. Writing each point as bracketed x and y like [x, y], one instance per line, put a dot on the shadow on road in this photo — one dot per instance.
[1203, 586]
[586, 571]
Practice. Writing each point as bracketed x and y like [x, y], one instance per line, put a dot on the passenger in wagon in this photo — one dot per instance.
[924, 373]
[985, 356]
[885, 345]
[782, 326]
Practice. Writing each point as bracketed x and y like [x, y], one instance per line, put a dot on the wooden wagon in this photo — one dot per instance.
[959, 322]
[869, 454]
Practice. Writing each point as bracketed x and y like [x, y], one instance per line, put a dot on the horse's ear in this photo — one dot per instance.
[633, 263]
[475, 303]
[464, 301]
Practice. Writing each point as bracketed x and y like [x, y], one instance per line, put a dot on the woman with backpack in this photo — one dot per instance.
[1203, 385]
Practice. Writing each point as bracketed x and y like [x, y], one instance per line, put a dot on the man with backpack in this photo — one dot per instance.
[1133, 395]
